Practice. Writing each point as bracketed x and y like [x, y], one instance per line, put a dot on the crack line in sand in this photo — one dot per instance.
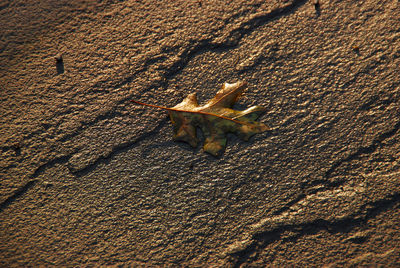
[233, 38]
[19, 192]
[365, 149]
[262, 239]
[117, 149]
[33, 181]
[329, 185]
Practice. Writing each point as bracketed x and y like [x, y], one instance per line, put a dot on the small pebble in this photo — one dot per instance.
[16, 147]
[356, 49]
[47, 184]
[316, 4]
[58, 58]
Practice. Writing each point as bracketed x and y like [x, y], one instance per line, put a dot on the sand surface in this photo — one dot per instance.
[89, 178]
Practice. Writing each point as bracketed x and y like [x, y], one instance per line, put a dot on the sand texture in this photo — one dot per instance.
[89, 178]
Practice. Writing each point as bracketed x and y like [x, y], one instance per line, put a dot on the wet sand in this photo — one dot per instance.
[88, 178]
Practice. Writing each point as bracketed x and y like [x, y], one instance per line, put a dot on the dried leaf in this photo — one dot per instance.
[215, 119]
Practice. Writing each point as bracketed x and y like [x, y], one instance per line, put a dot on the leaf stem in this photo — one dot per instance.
[193, 112]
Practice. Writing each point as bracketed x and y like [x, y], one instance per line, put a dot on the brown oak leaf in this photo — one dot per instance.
[216, 118]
